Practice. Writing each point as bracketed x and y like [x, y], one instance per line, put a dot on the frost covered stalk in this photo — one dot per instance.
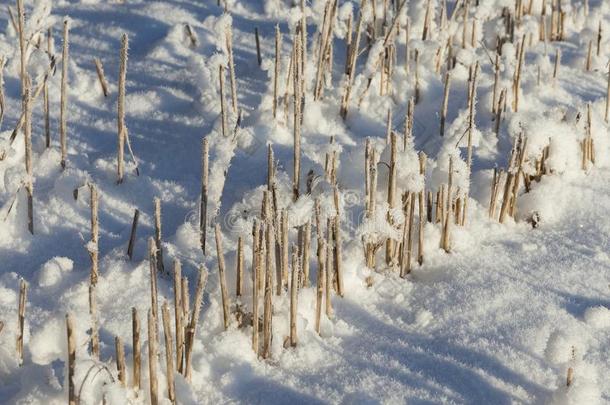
[445, 239]
[472, 97]
[100, 75]
[517, 77]
[407, 240]
[132, 233]
[158, 243]
[120, 360]
[223, 108]
[221, 275]
[296, 177]
[239, 280]
[338, 259]
[23, 291]
[256, 271]
[259, 59]
[408, 123]
[22, 47]
[229, 39]
[169, 354]
[508, 184]
[589, 54]
[185, 306]
[321, 276]
[445, 102]
[71, 359]
[599, 39]
[121, 107]
[1, 89]
[282, 281]
[607, 115]
[178, 315]
[63, 125]
[268, 305]
[352, 58]
[519, 173]
[305, 254]
[46, 107]
[276, 71]
[94, 244]
[557, 63]
[192, 327]
[153, 280]
[570, 377]
[329, 266]
[422, 219]
[95, 339]
[294, 288]
[499, 109]
[137, 356]
[390, 245]
[152, 359]
[494, 98]
[325, 42]
[203, 202]
[29, 180]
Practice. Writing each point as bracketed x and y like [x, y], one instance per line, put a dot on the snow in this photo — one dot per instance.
[500, 319]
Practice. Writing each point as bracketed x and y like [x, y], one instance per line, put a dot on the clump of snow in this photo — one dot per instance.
[53, 271]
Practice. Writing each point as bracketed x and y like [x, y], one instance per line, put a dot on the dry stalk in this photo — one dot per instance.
[588, 60]
[422, 216]
[203, 203]
[297, 123]
[158, 242]
[137, 356]
[122, 130]
[329, 274]
[256, 271]
[276, 75]
[517, 77]
[229, 39]
[132, 234]
[223, 108]
[71, 359]
[2, 101]
[63, 125]
[23, 291]
[120, 360]
[321, 276]
[607, 114]
[338, 259]
[259, 59]
[268, 304]
[305, 254]
[29, 181]
[178, 316]
[100, 75]
[408, 203]
[221, 275]
[95, 339]
[152, 358]
[294, 289]
[239, 283]
[390, 244]
[192, 327]
[354, 52]
[153, 281]
[94, 246]
[169, 355]
[445, 236]
[445, 102]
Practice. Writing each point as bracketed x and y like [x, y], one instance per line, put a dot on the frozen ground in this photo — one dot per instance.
[499, 320]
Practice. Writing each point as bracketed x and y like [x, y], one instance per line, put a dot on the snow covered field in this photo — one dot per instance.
[507, 313]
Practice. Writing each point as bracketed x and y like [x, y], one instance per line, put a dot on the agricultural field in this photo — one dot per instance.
[305, 201]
